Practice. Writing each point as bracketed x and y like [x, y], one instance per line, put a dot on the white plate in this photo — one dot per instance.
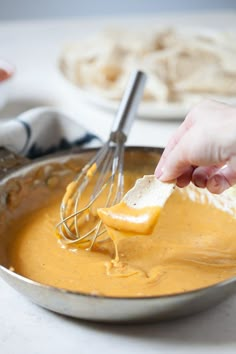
[146, 110]
[152, 110]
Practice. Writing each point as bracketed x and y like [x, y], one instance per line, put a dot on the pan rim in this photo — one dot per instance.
[120, 298]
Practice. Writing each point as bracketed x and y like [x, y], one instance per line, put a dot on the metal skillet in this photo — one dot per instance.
[22, 180]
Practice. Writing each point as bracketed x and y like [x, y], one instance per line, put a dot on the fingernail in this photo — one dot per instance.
[158, 172]
[217, 184]
[164, 177]
[200, 181]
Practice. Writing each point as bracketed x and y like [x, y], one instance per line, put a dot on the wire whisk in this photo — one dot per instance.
[101, 181]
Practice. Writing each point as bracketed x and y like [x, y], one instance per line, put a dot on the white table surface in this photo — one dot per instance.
[26, 328]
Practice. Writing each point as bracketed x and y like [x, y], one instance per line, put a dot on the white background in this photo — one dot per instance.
[27, 329]
[28, 9]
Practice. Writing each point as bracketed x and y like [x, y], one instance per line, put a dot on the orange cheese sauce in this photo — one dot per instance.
[123, 221]
[191, 246]
[130, 220]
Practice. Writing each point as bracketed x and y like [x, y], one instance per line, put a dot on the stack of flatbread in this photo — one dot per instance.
[182, 65]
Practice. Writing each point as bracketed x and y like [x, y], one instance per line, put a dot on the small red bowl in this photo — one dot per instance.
[6, 72]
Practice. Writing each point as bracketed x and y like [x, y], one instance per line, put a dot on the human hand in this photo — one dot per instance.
[203, 149]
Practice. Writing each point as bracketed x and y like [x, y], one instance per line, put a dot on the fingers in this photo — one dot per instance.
[221, 180]
[203, 139]
[201, 175]
[191, 151]
[183, 128]
[215, 179]
[177, 162]
[185, 178]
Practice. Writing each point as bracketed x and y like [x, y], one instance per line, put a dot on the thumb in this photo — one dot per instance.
[196, 148]
[177, 162]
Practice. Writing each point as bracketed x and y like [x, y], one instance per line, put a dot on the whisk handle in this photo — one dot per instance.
[128, 106]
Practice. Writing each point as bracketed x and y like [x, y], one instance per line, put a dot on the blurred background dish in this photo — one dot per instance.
[184, 66]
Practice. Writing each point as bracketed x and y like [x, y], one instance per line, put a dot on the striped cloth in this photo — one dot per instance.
[41, 131]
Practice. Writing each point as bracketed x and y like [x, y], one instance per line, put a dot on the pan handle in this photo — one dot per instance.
[9, 161]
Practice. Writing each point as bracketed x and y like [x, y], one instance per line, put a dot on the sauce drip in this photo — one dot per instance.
[123, 221]
[133, 221]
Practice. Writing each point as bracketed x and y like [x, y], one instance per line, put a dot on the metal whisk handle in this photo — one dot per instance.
[128, 106]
